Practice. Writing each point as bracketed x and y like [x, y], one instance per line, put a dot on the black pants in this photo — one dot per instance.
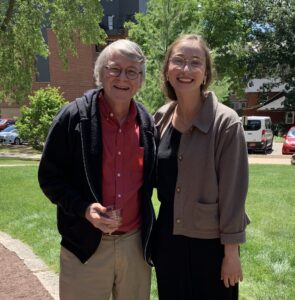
[189, 268]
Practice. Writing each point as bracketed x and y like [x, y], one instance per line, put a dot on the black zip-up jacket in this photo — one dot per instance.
[70, 173]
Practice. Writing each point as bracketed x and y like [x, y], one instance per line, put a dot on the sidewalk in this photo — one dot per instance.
[23, 275]
[270, 159]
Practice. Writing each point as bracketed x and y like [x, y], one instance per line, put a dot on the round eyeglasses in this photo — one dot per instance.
[129, 73]
[180, 62]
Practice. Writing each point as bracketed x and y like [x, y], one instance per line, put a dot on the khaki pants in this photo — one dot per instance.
[117, 268]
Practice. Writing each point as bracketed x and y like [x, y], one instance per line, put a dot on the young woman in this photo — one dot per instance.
[202, 181]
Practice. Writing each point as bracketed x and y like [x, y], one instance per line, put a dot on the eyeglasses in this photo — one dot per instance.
[180, 62]
[129, 73]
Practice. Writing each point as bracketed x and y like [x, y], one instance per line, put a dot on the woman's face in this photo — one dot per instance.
[187, 67]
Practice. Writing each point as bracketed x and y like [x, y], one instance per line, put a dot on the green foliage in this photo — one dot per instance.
[220, 22]
[36, 119]
[271, 40]
[21, 39]
[289, 103]
[221, 88]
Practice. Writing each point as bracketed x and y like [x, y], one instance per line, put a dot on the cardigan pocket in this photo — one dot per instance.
[206, 217]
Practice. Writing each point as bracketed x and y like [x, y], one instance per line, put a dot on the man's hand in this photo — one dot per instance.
[231, 270]
[95, 215]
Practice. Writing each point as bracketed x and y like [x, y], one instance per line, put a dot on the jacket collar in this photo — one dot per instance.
[202, 121]
[205, 117]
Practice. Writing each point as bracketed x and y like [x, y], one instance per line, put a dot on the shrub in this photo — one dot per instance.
[36, 119]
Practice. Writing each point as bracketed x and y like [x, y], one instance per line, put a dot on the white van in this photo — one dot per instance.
[258, 133]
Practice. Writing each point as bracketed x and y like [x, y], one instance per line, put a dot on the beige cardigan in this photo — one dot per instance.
[212, 181]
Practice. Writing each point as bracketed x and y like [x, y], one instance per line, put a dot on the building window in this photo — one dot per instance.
[110, 22]
[289, 117]
[42, 66]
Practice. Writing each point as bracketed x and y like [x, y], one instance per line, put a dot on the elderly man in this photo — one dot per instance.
[99, 155]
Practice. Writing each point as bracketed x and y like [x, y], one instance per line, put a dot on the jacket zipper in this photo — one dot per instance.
[86, 172]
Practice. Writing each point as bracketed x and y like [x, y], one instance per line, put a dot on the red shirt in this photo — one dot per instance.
[122, 164]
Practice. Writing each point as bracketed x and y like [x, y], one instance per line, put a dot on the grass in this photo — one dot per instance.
[26, 214]
[278, 139]
[268, 257]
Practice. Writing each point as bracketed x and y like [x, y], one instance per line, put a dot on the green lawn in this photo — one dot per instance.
[268, 256]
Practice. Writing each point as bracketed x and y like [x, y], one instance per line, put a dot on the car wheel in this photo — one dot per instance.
[17, 141]
[265, 149]
[271, 145]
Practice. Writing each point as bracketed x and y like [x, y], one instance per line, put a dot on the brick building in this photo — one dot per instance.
[273, 105]
[78, 77]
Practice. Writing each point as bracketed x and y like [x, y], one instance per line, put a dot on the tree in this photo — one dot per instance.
[271, 40]
[220, 22]
[21, 39]
[289, 103]
[36, 119]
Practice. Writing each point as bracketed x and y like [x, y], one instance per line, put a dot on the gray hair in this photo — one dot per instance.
[126, 47]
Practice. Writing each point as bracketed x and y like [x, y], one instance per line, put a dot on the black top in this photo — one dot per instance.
[167, 174]
[167, 164]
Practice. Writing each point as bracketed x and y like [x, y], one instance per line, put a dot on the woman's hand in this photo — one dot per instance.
[231, 270]
[95, 215]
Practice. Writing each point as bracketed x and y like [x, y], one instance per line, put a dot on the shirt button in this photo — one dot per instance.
[119, 153]
[120, 130]
[178, 189]
[111, 115]
[177, 221]
[119, 195]
[180, 157]
[119, 175]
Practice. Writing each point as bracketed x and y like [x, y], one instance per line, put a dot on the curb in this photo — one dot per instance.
[48, 279]
[35, 157]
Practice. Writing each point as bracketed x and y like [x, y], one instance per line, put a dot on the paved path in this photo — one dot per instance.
[270, 159]
[23, 274]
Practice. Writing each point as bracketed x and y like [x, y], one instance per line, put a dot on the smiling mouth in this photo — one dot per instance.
[121, 88]
[185, 80]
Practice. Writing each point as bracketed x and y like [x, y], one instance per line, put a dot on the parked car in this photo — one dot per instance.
[258, 133]
[6, 132]
[13, 138]
[5, 122]
[289, 142]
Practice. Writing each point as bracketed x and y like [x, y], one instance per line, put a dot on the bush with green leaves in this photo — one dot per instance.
[36, 119]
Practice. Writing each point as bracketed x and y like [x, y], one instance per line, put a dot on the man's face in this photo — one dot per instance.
[120, 89]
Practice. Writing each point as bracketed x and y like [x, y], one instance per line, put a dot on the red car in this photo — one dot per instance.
[5, 122]
[289, 142]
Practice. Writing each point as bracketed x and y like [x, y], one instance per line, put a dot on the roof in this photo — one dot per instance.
[257, 117]
[255, 85]
[277, 104]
